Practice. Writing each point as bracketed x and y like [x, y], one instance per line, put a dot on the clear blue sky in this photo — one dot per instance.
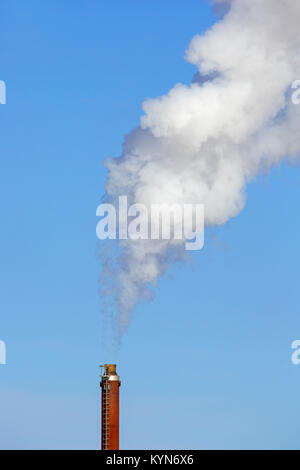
[207, 363]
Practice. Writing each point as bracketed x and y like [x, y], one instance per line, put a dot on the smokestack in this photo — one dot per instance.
[110, 384]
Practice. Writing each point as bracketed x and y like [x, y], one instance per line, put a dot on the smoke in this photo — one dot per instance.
[220, 7]
[204, 142]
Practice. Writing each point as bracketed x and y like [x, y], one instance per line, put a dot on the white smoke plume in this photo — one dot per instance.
[204, 142]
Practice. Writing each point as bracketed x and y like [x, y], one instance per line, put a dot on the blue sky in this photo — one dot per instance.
[207, 363]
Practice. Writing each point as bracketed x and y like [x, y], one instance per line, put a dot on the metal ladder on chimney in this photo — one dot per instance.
[105, 417]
